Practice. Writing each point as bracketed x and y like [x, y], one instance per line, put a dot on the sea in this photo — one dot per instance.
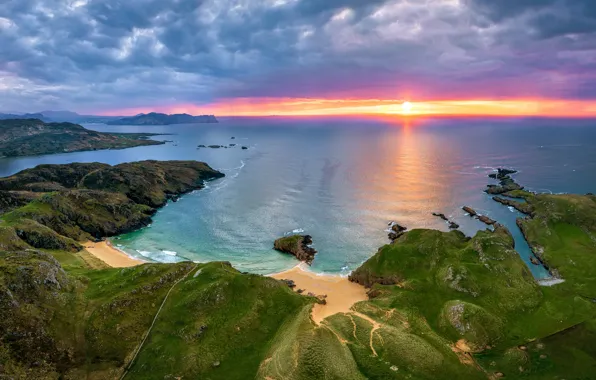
[341, 180]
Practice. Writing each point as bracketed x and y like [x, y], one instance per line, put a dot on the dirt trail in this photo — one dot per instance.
[136, 352]
[376, 325]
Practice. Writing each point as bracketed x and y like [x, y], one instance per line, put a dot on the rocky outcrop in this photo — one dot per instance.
[486, 220]
[452, 224]
[470, 211]
[298, 246]
[396, 230]
[524, 208]
[506, 183]
[483, 218]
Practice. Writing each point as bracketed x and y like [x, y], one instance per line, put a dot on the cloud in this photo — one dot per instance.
[100, 55]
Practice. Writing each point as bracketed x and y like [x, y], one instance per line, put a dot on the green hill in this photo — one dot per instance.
[28, 137]
[443, 305]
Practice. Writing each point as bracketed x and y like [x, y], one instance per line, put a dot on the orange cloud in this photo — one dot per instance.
[322, 107]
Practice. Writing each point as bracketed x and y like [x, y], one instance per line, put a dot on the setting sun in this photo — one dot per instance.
[406, 108]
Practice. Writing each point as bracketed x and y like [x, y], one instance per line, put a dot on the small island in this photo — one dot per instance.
[155, 118]
[29, 137]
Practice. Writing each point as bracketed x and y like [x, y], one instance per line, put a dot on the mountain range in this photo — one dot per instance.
[152, 118]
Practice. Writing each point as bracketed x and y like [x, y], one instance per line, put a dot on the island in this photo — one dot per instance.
[436, 305]
[154, 118]
[28, 137]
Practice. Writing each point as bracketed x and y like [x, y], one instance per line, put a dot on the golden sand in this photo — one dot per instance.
[110, 255]
[341, 293]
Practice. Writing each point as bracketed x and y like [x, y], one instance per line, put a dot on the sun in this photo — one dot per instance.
[406, 108]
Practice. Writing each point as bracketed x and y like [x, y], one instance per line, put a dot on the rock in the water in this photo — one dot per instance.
[297, 245]
[452, 224]
[201, 146]
[244, 147]
[441, 215]
[486, 220]
[232, 138]
[534, 260]
[214, 146]
[470, 211]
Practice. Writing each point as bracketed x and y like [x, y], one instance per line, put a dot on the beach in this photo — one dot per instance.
[110, 255]
[341, 293]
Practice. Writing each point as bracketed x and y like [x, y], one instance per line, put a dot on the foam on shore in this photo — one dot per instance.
[111, 255]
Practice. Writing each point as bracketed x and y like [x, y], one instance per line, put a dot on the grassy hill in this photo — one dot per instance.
[28, 137]
[443, 305]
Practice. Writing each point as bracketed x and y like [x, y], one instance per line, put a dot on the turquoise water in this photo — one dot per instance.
[341, 181]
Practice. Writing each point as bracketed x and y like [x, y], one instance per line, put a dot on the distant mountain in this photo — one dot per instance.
[28, 137]
[5, 116]
[154, 118]
[61, 115]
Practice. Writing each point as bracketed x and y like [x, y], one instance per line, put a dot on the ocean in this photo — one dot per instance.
[341, 180]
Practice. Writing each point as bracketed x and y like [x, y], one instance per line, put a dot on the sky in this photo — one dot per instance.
[266, 57]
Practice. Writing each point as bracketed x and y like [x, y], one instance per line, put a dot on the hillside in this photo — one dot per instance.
[163, 119]
[27, 137]
[442, 305]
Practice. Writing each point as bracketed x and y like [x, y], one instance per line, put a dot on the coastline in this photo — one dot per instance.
[110, 255]
[341, 293]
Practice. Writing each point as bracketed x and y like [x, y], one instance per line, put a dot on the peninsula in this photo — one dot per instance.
[429, 305]
[154, 118]
[28, 137]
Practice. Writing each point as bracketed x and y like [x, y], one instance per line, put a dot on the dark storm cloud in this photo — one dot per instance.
[549, 18]
[104, 54]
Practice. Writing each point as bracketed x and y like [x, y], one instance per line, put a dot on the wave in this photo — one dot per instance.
[294, 232]
[170, 253]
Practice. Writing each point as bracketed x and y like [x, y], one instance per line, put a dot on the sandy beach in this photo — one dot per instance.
[341, 293]
[110, 255]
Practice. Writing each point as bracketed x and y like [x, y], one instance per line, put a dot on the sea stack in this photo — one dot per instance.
[298, 246]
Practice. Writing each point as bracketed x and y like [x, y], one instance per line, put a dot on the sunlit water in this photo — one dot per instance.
[341, 181]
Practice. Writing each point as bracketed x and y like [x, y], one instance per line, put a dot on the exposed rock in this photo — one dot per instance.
[470, 211]
[232, 138]
[291, 284]
[440, 215]
[502, 173]
[232, 144]
[214, 146]
[524, 208]
[506, 183]
[486, 220]
[534, 260]
[216, 364]
[297, 245]
[202, 146]
[452, 224]
[244, 147]
[396, 230]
